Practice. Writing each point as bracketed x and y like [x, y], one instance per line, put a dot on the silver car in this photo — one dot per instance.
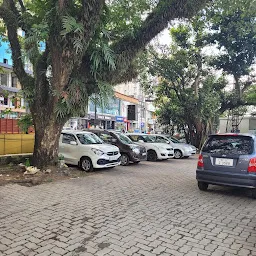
[181, 150]
[228, 159]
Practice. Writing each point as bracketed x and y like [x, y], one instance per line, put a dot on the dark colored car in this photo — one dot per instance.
[130, 152]
[229, 160]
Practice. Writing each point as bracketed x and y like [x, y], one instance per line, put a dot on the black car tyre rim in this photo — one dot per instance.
[86, 164]
[152, 156]
[125, 159]
[177, 154]
[202, 185]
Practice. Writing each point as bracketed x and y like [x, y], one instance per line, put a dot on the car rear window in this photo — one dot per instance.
[229, 145]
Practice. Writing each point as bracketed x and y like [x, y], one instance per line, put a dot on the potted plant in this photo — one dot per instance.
[61, 161]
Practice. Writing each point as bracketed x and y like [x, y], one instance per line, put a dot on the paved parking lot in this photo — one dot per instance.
[145, 209]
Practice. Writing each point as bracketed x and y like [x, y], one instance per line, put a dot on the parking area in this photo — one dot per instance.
[152, 208]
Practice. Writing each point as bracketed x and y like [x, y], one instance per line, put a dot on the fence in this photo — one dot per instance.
[16, 143]
[9, 126]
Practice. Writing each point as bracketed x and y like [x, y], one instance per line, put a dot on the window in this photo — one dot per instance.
[14, 81]
[4, 79]
[124, 138]
[136, 138]
[5, 102]
[5, 61]
[229, 145]
[67, 138]
[89, 138]
[106, 137]
[161, 139]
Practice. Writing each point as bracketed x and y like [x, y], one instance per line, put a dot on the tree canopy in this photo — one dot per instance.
[195, 71]
[85, 44]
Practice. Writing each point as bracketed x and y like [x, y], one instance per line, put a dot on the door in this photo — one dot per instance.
[67, 150]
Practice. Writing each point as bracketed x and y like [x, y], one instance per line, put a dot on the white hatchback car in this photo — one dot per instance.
[155, 150]
[87, 150]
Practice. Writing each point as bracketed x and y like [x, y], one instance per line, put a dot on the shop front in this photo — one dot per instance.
[102, 121]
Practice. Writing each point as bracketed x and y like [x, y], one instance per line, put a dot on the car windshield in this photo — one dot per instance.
[89, 138]
[124, 138]
[174, 140]
[229, 145]
[147, 138]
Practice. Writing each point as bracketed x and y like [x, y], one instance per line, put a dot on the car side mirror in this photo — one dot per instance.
[73, 143]
[168, 142]
[141, 141]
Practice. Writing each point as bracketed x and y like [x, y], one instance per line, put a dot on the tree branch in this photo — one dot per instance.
[92, 10]
[22, 6]
[11, 22]
[128, 47]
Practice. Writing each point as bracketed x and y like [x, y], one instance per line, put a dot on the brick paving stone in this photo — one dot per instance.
[147, 209]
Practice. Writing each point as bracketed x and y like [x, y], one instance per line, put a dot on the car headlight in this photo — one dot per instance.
[97, 152]
[136, 150]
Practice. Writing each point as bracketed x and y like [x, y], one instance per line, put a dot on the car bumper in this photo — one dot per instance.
[165, 155]
[226, 179]
[105, 163]
[189, 153]
[138, 157]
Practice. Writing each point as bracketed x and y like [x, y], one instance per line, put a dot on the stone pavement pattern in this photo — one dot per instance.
[146, 209]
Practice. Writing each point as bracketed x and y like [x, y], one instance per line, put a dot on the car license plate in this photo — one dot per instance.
[224, 161]
[144, 154]
[112, 158]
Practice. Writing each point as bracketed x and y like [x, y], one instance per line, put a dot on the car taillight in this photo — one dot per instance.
[252, 165]
[200, 162]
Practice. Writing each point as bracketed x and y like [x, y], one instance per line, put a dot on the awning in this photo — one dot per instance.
[126, 98]
[9, 89]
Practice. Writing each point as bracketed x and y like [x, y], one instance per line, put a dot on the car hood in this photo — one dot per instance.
[161, 145]
[105, 147]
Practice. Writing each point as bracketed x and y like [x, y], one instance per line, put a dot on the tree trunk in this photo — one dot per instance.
[46, 143]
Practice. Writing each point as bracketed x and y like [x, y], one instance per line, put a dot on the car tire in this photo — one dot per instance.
[203, 186]
[86, 164]
[152, 156]
[177, 154]
[125, 160]
[254, 193]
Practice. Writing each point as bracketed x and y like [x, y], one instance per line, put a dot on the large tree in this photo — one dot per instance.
[86, 44]
[220, 40]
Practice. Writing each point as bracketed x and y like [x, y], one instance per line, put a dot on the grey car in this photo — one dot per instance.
[229, 160]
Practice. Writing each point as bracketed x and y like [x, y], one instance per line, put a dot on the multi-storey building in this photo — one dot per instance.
[12, 104]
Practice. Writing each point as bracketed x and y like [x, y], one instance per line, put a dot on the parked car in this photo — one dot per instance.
[228, 159]
[181, 150]
[179, 143]
[130, 152]
[155, 150]
[87, 150]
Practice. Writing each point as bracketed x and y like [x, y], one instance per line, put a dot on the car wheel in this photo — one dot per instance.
[86, 164]
[177, 154]
[125, 159]
[254, 193]
[202, 185]
[152, 156]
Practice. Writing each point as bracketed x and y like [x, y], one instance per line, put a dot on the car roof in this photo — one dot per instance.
[75, 131]
[234, 134]
[136, 133]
